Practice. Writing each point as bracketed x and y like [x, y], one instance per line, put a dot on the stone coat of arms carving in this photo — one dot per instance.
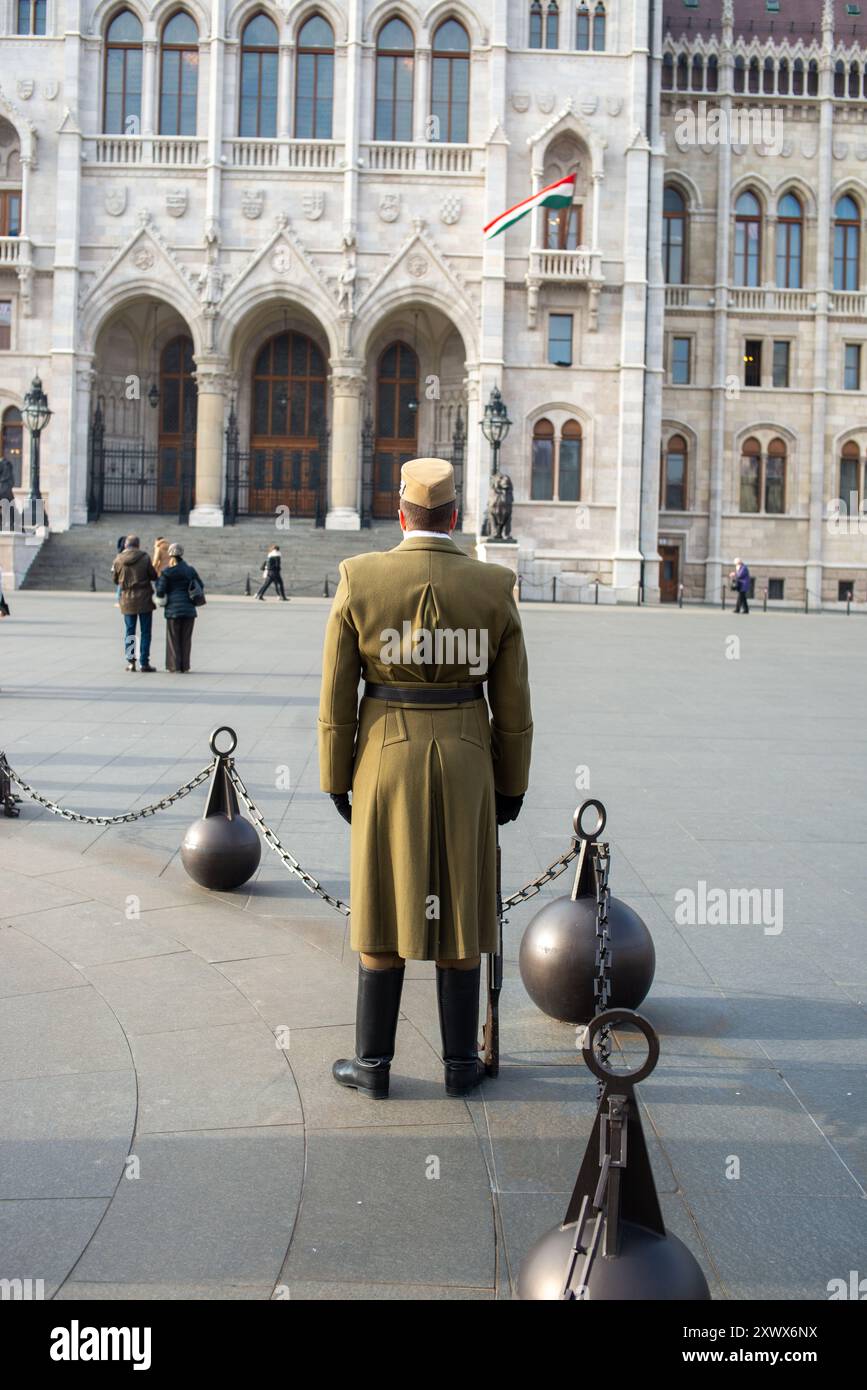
[115, 201]
[389, 207]
[313, 204]
[176, 202]
[252, 203]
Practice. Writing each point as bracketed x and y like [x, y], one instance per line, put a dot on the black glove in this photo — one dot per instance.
[508, 807]
[343, 805]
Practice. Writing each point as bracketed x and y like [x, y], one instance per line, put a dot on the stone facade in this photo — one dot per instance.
[133, 239]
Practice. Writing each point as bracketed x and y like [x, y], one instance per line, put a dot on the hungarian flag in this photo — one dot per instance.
[556, 195]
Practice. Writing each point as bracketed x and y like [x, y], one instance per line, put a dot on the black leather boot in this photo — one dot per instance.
[458, 1000]
[375, 1028]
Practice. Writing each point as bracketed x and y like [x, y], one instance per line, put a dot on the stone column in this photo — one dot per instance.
[421, 93]
[347, 389]
[352, 118]
[149, 86]
[285, 102]
[475, 474]
[814, 568]
[724, 213]
[85, 376]
[212, 384]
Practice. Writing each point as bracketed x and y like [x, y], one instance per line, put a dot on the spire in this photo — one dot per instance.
[728, 14]
[828, 17]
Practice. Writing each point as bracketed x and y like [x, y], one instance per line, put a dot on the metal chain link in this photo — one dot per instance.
[126, 818]
[554, 870]
[529, 890]
[602, 963]
[310, 883]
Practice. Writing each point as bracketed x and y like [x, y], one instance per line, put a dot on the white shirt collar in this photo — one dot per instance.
[441, 535]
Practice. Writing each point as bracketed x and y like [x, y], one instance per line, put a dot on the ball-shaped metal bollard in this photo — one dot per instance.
[648, 1266]
[221, 853]
[558, 953]
[222, 850]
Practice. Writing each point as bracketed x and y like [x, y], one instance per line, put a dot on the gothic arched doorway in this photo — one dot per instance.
[177, 436]
[396, 423]
[288, 427]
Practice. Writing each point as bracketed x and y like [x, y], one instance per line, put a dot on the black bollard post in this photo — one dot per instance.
[848, 601]
[614, 1209]
[765, 601]
[222, 850]
[680, 596]
[806, 600]
[723, 598]
[247, 590]
[596, 600]
[325, 593]
[93, 581]
[554, 589]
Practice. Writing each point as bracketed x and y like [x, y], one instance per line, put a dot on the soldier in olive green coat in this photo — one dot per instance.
[430, 768]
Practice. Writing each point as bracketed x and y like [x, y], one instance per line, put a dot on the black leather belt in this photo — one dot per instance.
[424, 694]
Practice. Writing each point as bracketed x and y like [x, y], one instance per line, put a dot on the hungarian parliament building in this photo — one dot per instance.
[242, 248]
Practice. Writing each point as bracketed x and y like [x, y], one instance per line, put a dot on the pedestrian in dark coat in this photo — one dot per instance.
[741, 578]
[134, 575]
[174, 586]
[272, 575]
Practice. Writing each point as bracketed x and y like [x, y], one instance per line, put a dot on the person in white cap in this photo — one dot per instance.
[432, 768]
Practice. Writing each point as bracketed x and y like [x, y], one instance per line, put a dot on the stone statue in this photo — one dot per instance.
[500, 498]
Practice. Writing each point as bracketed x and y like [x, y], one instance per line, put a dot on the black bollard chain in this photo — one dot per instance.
[602, 977]
[125, 819]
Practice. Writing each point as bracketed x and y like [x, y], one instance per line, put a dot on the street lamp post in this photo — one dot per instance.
[36, 416]
[495, 426]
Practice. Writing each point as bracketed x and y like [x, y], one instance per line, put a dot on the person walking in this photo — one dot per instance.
[430, 767]
[134, 575]
[741, 580]
[160, 557]
[272, 575]
[181, 587]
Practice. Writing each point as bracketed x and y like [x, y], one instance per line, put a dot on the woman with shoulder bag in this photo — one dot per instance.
[180, 591]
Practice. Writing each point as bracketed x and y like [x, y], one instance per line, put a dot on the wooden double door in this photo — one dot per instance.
[396, 424]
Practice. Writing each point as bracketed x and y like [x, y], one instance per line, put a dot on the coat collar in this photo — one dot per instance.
[429, 543]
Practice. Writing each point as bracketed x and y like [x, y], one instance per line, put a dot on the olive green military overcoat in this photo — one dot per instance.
[423, 872]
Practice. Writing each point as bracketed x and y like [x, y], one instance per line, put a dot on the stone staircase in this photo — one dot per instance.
[81, 558]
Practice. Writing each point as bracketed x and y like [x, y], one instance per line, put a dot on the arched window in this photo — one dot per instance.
[569, 463]
[775, 478]
[179, 76]
[314, 86]
[31, 17]
[674, 475]
[12, 440]
[697, 79]
[450, 83]
[847, 244]
[542, 468]
[536, 24]
[748, 240]
[751, 469]
[395, 60]
[850, 479]
[599, 28]
[123, 50]
[854, 80]
[790, 231]
[753, 79]
[552, 25]
[813, 78]
[582, 29]
[839, 79]
[668, 73]
[798, 77]
[713, 73]
[682, 73]
[768, 77]
[674, 227]
[740, 74]
[258, 113]
[783, 78]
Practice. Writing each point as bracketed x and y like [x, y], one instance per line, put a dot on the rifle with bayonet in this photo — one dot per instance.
[491, 1033]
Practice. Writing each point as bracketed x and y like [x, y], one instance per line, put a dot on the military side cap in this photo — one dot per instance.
[428, 483]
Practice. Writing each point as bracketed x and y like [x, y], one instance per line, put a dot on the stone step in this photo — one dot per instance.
[81, 558]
